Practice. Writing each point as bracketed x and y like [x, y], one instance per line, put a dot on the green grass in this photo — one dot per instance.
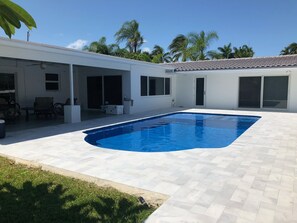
[32, 195]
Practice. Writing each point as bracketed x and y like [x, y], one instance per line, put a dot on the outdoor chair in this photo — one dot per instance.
[9, 109]
[44, 106]
[59, 107]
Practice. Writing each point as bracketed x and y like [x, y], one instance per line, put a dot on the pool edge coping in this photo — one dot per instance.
[153, 198]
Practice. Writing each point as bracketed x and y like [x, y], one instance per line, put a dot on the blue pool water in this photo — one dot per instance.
[173, 132]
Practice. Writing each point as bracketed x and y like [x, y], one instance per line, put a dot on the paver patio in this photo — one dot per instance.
[252, 180]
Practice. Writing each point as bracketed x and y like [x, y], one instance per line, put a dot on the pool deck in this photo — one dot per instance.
[252, 180]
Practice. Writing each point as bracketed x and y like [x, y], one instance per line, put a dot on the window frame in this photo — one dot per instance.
[262, 93]
[287, 92]
[52, 81]
[148, 86]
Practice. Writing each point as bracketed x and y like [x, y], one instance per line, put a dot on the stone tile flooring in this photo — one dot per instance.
[252, 180]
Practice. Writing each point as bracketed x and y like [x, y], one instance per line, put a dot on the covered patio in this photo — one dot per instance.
[77, 80]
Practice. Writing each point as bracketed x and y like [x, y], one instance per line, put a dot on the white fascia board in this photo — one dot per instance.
[41, 52]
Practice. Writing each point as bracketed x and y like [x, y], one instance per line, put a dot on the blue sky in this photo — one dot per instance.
[266, 25]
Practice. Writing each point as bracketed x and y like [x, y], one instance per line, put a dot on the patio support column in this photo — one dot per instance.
[71, 84]
[72, 111]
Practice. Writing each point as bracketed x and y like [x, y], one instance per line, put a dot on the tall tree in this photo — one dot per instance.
[130, 33]
[213, 54]
[193, 46]
[11, 16]
[290, 49]
[102, 47]
[243, 51]
[99, 46]
[159, 55]
[199, 42]
[226, 51]
[157, 50]
[179, 48]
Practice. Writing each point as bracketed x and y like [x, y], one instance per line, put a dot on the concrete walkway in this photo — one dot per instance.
[252, 180]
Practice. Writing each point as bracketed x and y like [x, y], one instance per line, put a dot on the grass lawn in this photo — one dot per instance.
[32, 195]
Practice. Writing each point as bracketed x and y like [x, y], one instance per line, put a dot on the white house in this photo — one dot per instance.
[29, 70]
[267, 83]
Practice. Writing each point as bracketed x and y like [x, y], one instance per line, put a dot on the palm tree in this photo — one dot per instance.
[99, 46]
[160, 56]
[243, 51]
[226, 51]
[193, 46]
[291, 49]
[157, 50]
[213, 54]
[129, 32]
[179, 48]
[199, 42]
[11, 16]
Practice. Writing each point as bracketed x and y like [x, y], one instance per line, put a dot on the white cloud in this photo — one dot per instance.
[146, 49]
[78, 44]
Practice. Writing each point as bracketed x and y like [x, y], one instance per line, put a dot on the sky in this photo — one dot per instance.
[265, 25]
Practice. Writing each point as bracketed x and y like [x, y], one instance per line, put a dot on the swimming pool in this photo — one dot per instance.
[172, 132]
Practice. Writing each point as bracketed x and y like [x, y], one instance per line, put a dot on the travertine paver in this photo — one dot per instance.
[252, 180]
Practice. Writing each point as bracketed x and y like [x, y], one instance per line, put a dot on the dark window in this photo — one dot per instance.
[7, 88]
[143, 85]
[275, 94]
[51, 82]
[113, 90]
[156, 86]
[51, 86]
[167, 86]
[51, 77]
[249, 92]
[95, 92]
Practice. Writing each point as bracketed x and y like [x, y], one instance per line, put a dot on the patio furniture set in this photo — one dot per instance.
[43, 106]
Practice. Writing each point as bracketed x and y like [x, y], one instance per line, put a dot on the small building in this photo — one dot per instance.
[264, 83]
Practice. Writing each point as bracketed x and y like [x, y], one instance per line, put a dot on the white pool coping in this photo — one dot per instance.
[252, 180]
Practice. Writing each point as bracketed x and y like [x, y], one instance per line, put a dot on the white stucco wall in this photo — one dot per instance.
[90, 63]
[222, 87]
[147, 103]
[30, 80]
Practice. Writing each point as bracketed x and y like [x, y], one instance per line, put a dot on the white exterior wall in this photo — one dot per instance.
[30, 85]
[30, 80]
[222, 87]
[185, 90]
[147, 103]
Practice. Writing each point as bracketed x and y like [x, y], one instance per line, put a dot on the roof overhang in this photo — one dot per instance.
[17, 49]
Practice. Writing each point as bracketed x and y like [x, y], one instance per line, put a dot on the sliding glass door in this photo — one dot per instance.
[249, 92]
[274, 91]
